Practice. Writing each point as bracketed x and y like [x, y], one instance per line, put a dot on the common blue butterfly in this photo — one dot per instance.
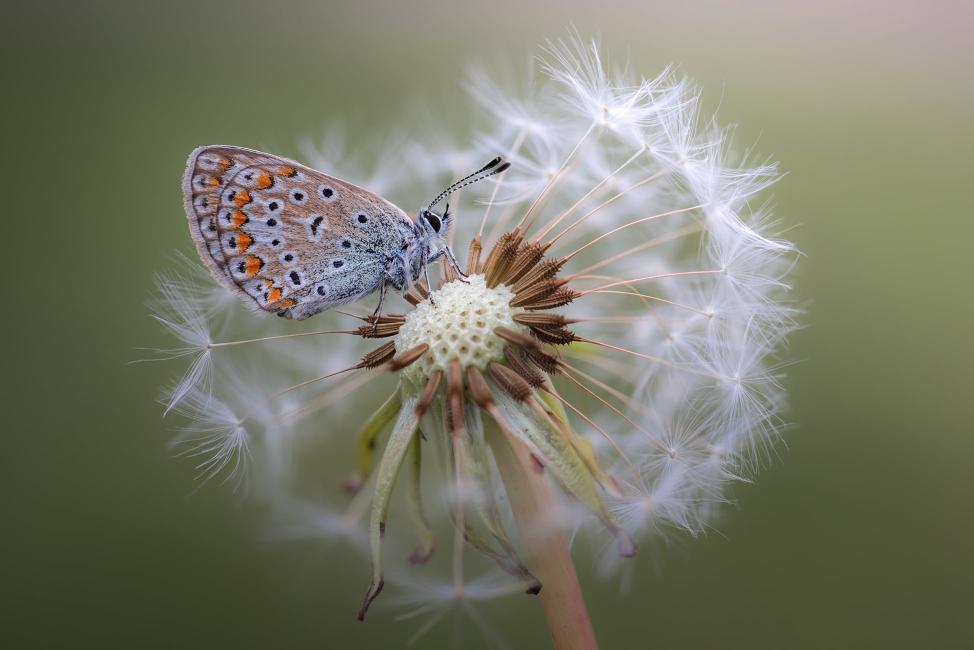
[294, 241]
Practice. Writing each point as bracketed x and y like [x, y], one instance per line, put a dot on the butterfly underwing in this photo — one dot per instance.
[294, 241]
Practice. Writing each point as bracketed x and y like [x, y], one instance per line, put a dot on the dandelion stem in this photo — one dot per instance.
[548, 556]
[457, 426]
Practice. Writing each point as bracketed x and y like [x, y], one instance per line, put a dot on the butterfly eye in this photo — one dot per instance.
[433, 221]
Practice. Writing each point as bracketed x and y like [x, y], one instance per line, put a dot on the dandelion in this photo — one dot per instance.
[605, 367]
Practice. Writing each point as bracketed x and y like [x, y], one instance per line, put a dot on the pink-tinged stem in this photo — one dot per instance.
[548, 557]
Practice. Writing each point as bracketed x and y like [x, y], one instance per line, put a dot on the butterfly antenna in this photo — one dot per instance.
[493, 167]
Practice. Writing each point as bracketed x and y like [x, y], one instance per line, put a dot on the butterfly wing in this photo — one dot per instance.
[288, 238]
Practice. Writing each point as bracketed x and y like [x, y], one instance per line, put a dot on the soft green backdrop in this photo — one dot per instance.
[860, 536]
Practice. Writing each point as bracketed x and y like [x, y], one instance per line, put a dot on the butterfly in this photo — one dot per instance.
[294, 241]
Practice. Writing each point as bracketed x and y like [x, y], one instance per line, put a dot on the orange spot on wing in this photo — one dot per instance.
[238, 219]
[287, 171]
[241, 198]
[286, 303]
[213, 181]
[264, 180]
[252, 265]
[273, 295]
[243, 241]
[225, 164]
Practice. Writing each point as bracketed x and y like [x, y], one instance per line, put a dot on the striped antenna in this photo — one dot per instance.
[493, 167]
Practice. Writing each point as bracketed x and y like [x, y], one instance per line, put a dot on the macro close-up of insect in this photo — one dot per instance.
[490, 325]
[295, 241]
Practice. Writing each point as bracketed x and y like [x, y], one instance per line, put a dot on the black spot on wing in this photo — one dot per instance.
[315, 224]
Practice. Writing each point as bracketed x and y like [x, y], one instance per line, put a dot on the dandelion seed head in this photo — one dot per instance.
[458, 323]
[622, 324]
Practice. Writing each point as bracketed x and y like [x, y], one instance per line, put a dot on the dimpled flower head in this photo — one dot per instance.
[606, 364]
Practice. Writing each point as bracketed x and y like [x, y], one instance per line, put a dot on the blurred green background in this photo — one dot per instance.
[860, 536]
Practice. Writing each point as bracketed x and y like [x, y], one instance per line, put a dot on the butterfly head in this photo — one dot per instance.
[428, 241]
[429, 238]
[433, 224]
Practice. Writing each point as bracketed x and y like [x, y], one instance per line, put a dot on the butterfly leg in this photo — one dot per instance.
[452, 261]
[426, 272]
[378, 308]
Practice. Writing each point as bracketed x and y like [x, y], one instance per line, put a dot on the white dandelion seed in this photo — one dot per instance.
[215, 438]
[185, 319]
